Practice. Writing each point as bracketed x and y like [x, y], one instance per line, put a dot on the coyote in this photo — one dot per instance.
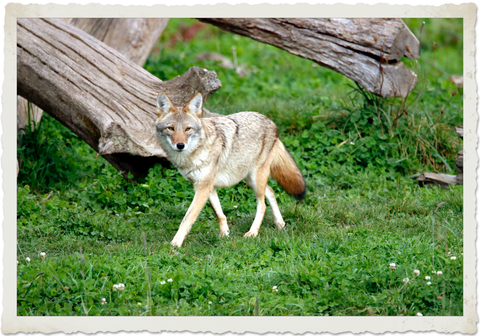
[221, 151]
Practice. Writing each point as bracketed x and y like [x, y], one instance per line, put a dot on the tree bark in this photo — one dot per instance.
[104, 98]
[27, 115]
[442, 180]
[132, 37]
[365, 50]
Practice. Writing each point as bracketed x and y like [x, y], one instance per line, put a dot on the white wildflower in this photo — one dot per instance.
[416, 272]
[139, 303]
[392, 266]
[115, 287]
[170, 280]
[162, 282]
[406, 280]
[209, 302]
[427, 277]
[429, 283]
[419, 314]
[235, 206]
[27, 259]
[453, 258]
[121, 286]
[439, 272]
[43, 254]
[275, 289]
[103, 301]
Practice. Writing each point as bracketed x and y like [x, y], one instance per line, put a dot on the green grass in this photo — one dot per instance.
[362, 211]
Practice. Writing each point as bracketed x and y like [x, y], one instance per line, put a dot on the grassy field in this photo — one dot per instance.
[362, 212]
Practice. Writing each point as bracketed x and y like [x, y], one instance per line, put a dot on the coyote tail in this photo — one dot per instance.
[285, 171]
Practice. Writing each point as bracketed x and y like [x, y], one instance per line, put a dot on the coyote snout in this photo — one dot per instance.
[222, 151]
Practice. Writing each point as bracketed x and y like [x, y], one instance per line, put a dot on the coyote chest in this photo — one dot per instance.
[222, 179]
[214, 155]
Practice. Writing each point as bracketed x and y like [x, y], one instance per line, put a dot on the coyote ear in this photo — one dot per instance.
[164, 104]
[194, 106]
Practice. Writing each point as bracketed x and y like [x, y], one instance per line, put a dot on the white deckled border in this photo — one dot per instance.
[12, 324]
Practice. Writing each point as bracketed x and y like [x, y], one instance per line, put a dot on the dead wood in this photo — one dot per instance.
[459, 130]
[104, 98]
[365, 50]
[459, 162]
[442, 180]
[459, 157]
[459, 179]
[27, 115]
[459, 167]
[457, 80]
[134, 38]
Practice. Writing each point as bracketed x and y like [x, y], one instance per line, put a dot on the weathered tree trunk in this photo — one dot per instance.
[132, 37]
[459, 167]
[459, 158]
[365, 50]
[106, 99]
[444, 180]
[434, 179]
[27, 115]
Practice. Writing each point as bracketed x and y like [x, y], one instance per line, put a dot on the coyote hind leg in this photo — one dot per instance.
[258, 184]
[277, 216]
[217, 208]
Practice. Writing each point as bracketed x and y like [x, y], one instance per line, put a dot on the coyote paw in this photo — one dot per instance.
[176, 243]
[250, 234]
[280, 225]
[224, 230]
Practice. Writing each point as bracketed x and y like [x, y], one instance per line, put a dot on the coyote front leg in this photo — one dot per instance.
[217, 208]
[201, 196]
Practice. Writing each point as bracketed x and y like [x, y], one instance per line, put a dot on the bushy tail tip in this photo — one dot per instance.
[286, 172]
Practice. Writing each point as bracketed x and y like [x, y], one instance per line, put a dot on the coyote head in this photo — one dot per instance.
[179, 127]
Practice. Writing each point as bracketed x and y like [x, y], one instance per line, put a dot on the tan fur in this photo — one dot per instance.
[220, 152]
[179, 137]
[285, 171]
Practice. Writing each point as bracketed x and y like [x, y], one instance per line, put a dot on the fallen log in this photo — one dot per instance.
[27, 115]
[457, 80]
[459, 130]
[134, 38]
[104, 98]
[365, 50]
[459, 157]
[442, 180]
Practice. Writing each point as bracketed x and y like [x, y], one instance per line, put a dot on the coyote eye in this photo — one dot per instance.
[188, 129]
[170, 129]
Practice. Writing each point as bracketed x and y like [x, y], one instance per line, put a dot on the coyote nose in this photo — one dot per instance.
[180, 145]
